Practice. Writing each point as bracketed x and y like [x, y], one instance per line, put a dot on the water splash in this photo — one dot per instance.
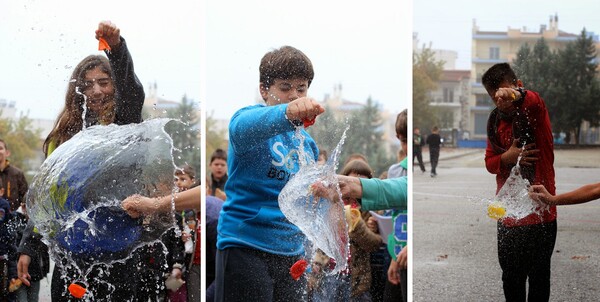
[75, 199]
[84, 107]
[321, 220]
[512, 201]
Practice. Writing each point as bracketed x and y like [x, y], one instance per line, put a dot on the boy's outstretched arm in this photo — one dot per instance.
[581, 195]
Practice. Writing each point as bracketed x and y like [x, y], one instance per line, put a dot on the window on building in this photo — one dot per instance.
[483, 100]
[448, 95]
[447, 120]
[495, 53]
[481, 123]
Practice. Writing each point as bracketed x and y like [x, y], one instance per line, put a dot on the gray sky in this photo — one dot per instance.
[448, 24]
[42, 41]
[366, 48]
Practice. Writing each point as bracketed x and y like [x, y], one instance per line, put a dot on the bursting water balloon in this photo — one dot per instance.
[75, 199]
[321, 220]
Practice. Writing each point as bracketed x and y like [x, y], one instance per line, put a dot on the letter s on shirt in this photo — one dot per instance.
[278, 153]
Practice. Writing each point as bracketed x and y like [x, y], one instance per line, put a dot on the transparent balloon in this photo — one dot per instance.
[75, 199]
[321, 220]
[512, 201]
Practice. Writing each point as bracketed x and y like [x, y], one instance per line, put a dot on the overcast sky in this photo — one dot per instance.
[42, 41]
[448, 24]
[366, 48]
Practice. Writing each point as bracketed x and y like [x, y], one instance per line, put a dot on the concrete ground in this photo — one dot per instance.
[454, 242]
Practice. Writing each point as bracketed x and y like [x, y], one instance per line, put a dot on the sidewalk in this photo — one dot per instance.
[450, 153]
[563, 158]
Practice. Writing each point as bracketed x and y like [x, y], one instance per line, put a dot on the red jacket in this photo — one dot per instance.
[534, 108]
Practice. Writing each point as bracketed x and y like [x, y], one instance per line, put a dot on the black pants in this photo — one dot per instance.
[252, 275]
[397, 292]
[525, 253]
[434, 155]
[419, 157]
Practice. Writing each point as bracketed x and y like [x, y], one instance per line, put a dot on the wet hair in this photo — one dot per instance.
[498, 74]
[69, 121]
[323, 152]
[358, 166]
[285, 63]
[218, 154]
[186, 170]
[402, 124]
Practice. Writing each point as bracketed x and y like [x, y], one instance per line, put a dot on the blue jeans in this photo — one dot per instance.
[333, 288]
[29, 293]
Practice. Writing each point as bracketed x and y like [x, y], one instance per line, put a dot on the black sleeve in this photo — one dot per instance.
[175, 247]
[28, 244]
[129, 91]
[23, 186]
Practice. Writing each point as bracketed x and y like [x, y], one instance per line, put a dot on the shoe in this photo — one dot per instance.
[433, 174]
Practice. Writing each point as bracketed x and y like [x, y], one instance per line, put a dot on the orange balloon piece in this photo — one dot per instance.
[298, 269]
[102, 44]
[308, 123]
[77, 290]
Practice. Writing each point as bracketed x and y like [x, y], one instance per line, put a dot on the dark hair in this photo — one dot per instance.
[285, 63]
[498, 74]
[218, 154]
[356, 156]
[69, 121]
[435, 128]
[359, 167]
[402, 124]
[186, 170]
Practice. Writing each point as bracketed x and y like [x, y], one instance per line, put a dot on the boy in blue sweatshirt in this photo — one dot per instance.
[256, 244]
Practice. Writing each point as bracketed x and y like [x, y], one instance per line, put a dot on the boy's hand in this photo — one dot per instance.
[393, 273]
[109, 32]
[372, 224]
[137, 205]
[540, 194]
[303, 109]
[23, 269]
[402, 258]
[512, 154]
[504, 98]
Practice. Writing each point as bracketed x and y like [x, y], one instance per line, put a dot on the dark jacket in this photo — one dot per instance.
[8, 242]
[15, 185]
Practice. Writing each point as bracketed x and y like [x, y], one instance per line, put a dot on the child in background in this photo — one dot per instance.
[218, 174]
[185, 178]
[8, 249]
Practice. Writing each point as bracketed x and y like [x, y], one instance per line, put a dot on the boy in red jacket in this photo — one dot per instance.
[520, 125]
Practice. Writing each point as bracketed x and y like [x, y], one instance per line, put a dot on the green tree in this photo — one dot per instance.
[22, 139]
[577, 91]
[365, 137]
[426, 73]
[535, 67]
[215, 137]
[186, 134]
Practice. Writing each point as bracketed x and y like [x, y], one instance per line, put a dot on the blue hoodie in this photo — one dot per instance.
[263, 156]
